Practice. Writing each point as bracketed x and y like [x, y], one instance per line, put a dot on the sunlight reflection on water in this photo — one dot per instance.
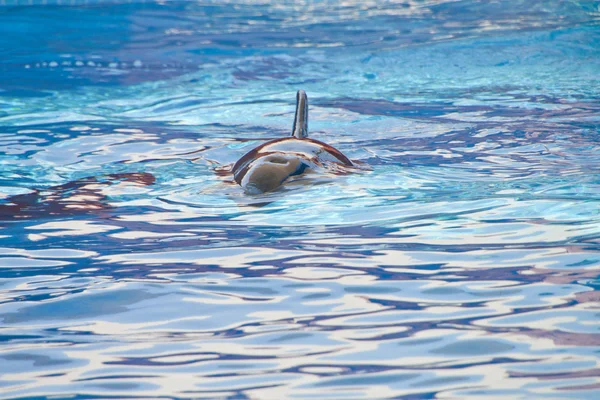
[460, 261]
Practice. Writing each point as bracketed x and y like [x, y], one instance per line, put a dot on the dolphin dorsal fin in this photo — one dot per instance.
[300, 130]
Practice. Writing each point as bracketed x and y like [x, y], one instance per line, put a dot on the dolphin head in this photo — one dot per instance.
[268, 172]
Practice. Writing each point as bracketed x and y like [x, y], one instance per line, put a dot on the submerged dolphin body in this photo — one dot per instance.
[266, 167]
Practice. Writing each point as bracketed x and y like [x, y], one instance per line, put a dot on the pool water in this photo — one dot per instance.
[462, 260]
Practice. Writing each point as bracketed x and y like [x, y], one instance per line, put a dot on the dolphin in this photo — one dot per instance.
[266, 167]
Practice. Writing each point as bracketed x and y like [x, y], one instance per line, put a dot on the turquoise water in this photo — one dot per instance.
[461, 261]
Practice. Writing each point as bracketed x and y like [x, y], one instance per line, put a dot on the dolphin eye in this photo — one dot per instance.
[277, 160]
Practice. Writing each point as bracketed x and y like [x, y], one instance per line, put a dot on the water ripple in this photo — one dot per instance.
[460, 259]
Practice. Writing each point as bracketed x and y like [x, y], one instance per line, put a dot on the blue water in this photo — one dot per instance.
[461, 262]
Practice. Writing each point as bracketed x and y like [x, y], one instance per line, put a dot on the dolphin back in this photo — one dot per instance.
[300, 130]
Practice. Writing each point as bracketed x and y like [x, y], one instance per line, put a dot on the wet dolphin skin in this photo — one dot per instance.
[266, 167]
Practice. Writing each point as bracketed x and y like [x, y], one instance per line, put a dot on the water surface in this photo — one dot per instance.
[462, 263]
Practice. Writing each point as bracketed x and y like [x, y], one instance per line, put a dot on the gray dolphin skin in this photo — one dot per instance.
[266, 167]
